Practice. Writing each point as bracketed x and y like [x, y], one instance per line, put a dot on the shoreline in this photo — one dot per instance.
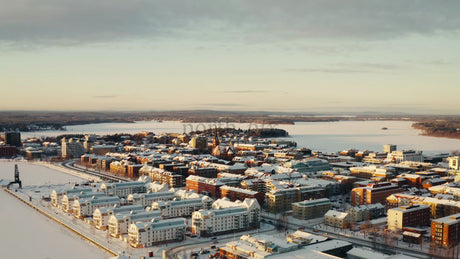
[73, 230]
[54, 167]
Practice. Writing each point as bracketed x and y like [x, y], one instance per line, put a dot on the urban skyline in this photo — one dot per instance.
[320, 56]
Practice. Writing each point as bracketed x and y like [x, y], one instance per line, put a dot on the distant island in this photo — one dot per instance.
[440, 128]
[30, 121]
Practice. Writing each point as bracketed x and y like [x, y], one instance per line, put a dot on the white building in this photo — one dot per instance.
[68, 199]
[71, 148]
[85, 207]
[123, 189]
[453, 162]
[146, 199]
[405, 155]
[101, 215]
[157, 232]
[56, 195]
[388, 148]
[408, 216]
[226, 218]
[155, 186]
[336, 219]
[119, 223]
[182, 208]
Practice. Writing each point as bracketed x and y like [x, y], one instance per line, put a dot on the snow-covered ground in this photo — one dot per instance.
[33, 175]
[25, 233]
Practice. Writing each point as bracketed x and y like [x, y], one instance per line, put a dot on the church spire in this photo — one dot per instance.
[216, 141]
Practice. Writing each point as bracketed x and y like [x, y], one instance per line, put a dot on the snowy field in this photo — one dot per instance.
[32, 175]
[25, 233]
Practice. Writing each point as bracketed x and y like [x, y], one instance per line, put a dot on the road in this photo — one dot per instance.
[174, 251]
[105, 176]
[358, 240]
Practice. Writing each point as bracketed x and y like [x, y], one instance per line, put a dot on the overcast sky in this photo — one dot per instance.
[321, 55]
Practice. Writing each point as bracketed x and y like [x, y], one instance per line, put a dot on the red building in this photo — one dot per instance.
[373, 193]
[446, 231]
[133, 170]
[234, 193]
[208, 172]
[7, 151]
[210, 187]
[413, 180]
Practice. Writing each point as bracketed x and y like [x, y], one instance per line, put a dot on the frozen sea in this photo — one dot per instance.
[321, 136]
[25, 233]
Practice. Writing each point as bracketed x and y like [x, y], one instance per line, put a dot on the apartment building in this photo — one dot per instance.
[68, 199]
[408, 216]
[366, 212]
[281, 200]
[336, 219]
[234, 193]
[405, 155]
[370, 171]
[85, 207]
[445, 231]
[119, 223]
[182, 208]
[56, 195]
[373, 193]
[162, 176]
[439, 207]
[226, 218]
[146, 234]
[123, 189]
[210, 187]
[146, 199]
[101, 215]
[310, 209]
[71, 148]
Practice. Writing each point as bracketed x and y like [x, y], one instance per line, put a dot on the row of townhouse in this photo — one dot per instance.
[85, 207]
[226, 217]
[123, 189]
[68, 200]
[56, 195]
[146, 199]
[119, 223]
[101, 215]
[145, 234]
[182, 208]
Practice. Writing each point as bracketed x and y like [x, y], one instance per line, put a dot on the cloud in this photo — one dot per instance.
[349, 68]
[105, 96]
[69, 22]
[244, 91]
[326, 70]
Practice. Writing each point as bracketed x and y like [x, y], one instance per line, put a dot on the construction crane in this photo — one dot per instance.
[16, 178]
